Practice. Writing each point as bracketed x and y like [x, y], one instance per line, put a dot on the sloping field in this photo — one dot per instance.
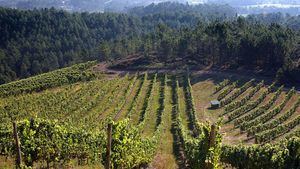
[165, 108]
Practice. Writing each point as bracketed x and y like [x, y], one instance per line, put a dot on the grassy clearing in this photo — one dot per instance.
[203, 94]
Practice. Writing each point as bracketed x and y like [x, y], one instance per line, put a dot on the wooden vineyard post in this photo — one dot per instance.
[212, 136]
[212, 140]
[18, 147]
[108, 148]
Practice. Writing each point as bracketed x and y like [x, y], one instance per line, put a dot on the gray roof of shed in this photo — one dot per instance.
[215, 102]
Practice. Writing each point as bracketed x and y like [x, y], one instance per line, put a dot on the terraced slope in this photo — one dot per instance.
[166, 108]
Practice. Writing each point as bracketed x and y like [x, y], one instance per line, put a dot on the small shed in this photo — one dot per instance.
[215, 104]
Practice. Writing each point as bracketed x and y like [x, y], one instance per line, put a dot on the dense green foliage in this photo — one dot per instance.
[284, 155]
[235, 44]
[50, 142]
[186, 14]
[290, 21]
[37, 41]
[129, 149]
[43, 140]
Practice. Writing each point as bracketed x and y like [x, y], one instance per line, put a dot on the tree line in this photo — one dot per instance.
[272, 49]
[41, 40]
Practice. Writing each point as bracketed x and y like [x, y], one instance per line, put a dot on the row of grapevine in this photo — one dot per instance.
[238, 92]
[160, 113]
[51, 105]
[275, 132]
[147, 103]
[236, 104]
[295, 133]
[124, 98]
[222, 85]
[275, 122]
[226, 91]
[134, 104]
[129, 148]
[110, 105]
[283, 155]
[198, 151]
[149, 145]
[249, 106]
[89, 103]
[6, 144]
[260, 110]
[47, 80]
[89, 120]
[190, 105]
[162, 101]
[269, 115]
[116, 101]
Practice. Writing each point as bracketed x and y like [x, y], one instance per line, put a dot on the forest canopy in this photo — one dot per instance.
[41, 40]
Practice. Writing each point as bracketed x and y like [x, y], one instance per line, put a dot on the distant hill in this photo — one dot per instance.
[243, 7]
[69, 5]
[263, 6]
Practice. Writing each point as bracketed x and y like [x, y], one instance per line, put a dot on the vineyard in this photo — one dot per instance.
[158, 120]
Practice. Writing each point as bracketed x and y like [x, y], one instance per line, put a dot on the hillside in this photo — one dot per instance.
[40, 41]
[169, 107]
